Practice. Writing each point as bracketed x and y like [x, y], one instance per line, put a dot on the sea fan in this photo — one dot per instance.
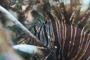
[61, 29]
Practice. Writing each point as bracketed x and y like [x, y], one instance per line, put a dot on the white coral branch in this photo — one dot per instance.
[29, 49]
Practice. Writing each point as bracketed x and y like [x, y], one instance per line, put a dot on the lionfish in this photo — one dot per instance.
[62, 32]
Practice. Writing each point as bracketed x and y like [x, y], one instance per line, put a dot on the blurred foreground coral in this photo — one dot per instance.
[6, 51]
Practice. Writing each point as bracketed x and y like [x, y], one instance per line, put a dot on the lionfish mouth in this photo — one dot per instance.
[62, 32]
